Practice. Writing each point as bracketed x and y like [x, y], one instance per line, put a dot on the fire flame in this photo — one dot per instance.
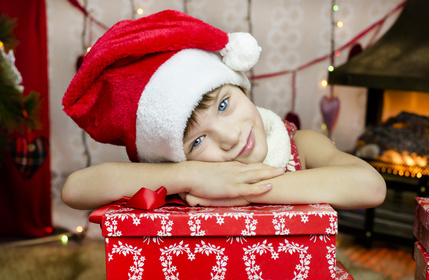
[410, 159]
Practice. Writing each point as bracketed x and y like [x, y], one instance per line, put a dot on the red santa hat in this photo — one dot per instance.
[140, 82]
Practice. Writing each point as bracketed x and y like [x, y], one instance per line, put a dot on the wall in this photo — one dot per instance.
[290, 32]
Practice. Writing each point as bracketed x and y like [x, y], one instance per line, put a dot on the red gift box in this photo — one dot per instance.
[249, 242]
[421, 257]
[342, 273]
[421, 221]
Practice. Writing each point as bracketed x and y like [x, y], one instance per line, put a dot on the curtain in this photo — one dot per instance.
[25, 203]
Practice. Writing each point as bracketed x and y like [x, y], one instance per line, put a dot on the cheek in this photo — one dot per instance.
[262, 147]
[209, 154]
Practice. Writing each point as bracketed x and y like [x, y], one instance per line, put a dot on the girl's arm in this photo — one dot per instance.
[328, 176]
[101, 184]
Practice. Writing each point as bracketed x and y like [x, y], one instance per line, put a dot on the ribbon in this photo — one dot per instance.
[144, 199]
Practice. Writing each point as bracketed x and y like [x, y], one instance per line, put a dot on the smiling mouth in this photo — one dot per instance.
[248, 147]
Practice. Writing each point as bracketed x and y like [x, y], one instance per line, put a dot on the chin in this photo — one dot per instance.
[256, 158]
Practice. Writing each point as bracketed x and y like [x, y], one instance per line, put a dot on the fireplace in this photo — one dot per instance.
[399, 145]
[395, 70]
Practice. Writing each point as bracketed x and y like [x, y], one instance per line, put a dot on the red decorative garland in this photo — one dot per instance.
[87, 14]
[351, 42]
[378, 24]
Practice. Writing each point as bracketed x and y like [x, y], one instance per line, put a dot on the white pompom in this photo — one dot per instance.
[242, 51]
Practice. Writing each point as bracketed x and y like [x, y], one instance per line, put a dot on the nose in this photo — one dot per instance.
[228, 135]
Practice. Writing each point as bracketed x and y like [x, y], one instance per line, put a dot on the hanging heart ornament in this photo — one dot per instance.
[330, 107]
[293, 118]
[28, 157]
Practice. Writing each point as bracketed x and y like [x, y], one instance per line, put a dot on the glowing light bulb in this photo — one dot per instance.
[324, 83]
[88, 49]
[330, 68]
[79, 229]
[140, 11]
[64, 239]
[324, 127]
[1, 44]
[340, 24]
[337, 53]
[335, 8]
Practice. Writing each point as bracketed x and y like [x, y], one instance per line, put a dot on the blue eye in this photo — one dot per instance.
[197, 141]
[223, 105]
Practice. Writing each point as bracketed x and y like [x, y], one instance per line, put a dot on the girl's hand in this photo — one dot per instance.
[229, 180]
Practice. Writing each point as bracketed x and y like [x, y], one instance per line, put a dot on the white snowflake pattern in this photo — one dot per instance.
[331, 258]
[322, 237]
[166, 224]
[166, 258]
[112, 229]
[280, 227]
[333, 226]
[115, 215]
[343, 275]
[155, 239]
[250, 227]
[302, 269]
[239, 239]
[136, 270]
[219, 269]
[249, 258]
[304, 218]
[250, 222]
[279, 221]
[194, 223]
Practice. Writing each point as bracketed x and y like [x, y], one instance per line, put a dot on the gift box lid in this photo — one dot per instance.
[422, 210]
[254, 220]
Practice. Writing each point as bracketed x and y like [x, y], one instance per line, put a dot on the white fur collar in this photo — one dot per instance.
[279, 149]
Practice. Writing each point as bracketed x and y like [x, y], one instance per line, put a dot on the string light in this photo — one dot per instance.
[330, 68]
[324, 83]
[1, 44]
[64, 239]
[140, 11]
[88, 49]
[79, 229]
[335, 8]
[340, 24]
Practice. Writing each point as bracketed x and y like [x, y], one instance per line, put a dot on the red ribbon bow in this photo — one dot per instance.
[144, 199]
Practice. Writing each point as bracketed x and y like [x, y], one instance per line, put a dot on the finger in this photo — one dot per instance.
[195, 200]
[257, 166]
[182, 195]
[251, 190]
[256, 175]
[244, 190]
[236, 201]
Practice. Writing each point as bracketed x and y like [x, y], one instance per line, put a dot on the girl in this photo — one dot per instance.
[171, 89]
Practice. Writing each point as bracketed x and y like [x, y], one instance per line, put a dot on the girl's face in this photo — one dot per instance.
[230, 129]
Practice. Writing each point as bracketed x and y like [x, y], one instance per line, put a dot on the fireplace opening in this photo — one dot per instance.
[395, 71]
[396, 139]
[396, 143]
[396, 101]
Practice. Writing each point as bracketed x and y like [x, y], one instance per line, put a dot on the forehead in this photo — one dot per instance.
[207, 101]
[201, 115]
